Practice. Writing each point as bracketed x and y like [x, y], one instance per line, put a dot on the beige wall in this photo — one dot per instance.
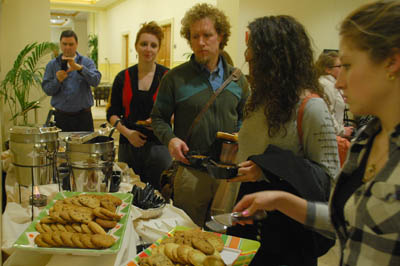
[320, 18]
[126, 18]
[23, 22]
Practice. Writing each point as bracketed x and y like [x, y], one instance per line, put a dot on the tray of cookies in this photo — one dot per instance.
[79, 223]
[188, 246]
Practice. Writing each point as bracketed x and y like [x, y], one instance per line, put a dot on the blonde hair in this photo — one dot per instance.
[374, 28]
[324, 61]
[201, 11]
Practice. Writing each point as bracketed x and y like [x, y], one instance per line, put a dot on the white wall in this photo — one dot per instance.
[320, 18]
[127, 18]
[23, 22]
[81, 31]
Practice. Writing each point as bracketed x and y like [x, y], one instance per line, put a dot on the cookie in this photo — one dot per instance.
[117, 201]
[56, 236]
[196, 257]
[108, 204]
[97, 212]
[39, 228]
[203, 245]
[213, 261]
[77, 227]
[70, 228]
[86, 229]
[61, 228]
[171, 250]
[160, 259]
[86, 240]
[64, 214]
[102, 241]
[39, 241]
[67, 201]
[112, 215]
[55, 215]
[96, 228]
[76, 239]
[47, 220]
[66, 237]
[106, 223]
[47, 237]
[46, 228]
[81, 216]
[183, 253]
[75, 201]
[88, 201]
[53, 227]
[215, 241]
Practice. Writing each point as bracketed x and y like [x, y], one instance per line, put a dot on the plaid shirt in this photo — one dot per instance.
[365, 217]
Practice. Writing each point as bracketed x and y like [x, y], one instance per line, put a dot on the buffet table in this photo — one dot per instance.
[17, 218]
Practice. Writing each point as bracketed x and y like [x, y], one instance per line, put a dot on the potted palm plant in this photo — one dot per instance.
[25, 74]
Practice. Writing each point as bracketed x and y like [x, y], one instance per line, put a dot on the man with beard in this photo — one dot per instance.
[184, 91]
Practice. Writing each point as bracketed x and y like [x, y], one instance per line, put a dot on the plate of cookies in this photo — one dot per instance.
[79, 223]
[188, 246]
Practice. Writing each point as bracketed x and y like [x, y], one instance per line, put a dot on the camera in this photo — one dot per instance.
[64, 64]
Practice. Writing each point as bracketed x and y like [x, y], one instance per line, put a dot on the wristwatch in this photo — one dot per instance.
[116, 123]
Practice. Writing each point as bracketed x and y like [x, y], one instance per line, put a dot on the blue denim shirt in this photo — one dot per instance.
[216, 78]
[74, 93]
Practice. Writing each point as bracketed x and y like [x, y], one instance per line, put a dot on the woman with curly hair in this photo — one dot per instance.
[364, 209]
[274, 153]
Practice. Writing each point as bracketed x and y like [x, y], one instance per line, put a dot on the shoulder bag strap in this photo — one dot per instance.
[300, 114]
[234, 76]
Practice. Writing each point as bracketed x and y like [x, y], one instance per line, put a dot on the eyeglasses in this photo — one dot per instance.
[336, 66]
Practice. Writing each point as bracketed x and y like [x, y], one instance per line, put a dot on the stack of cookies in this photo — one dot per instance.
[79, 222]
[192, 247]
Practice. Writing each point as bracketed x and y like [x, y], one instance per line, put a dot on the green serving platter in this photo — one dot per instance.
[26, 239]
[245, 249]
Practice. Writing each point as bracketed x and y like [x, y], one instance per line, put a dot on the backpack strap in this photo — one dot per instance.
[300, 114]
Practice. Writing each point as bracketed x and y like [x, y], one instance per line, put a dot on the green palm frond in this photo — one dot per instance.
[25, 74]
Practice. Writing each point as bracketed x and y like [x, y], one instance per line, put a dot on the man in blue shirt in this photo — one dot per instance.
[68, 79]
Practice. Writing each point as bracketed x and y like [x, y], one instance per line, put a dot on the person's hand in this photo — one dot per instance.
[248, 172]
[264, 200]
[348, 131]
[178, 148]
[72, 64]
[61, 75]
[136, 138]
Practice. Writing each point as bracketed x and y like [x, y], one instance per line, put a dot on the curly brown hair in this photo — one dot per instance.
[281, 69]
[200, 11]
[151, 28]
[324, 61]
[374, 28]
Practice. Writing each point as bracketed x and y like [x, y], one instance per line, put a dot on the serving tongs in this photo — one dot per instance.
[221, 222]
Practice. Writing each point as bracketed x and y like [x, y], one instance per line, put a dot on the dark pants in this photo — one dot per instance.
[72, 122]
[148, 161]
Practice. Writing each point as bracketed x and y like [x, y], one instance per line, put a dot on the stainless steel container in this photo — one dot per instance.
[91, 163]
[33, 152]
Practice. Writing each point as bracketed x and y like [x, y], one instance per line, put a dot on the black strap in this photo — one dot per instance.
[233, 77]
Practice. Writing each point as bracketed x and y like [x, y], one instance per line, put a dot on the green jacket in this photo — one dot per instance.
[183, 92]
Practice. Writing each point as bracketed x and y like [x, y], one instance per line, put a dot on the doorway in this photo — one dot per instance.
[164, 55]
[125, 43]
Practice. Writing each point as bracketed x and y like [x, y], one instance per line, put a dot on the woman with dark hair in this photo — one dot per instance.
[364, 210]
[271, 142]
[132, 97]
